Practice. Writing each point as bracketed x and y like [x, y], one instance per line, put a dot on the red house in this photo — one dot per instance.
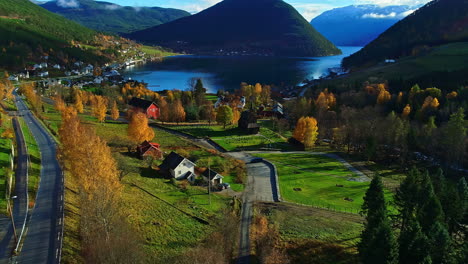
[149, 149]
[149, 108]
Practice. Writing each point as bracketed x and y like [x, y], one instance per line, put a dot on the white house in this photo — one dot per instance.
[57, 66]
[13, 78]
[43, 74]
[44, 65]
[213, 176]
[178, 167]
[98, 80]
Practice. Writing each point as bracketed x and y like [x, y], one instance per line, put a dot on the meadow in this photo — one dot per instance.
[318, 181]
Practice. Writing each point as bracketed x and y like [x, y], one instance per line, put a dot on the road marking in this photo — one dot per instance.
[57, 253]
[61, 197]
[61, 208]
[58, 237]
[60, 221]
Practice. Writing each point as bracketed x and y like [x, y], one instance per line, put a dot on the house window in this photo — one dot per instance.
[179, 172]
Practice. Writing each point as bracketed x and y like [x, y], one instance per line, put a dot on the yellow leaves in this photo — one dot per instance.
[115, 111]
[59, 103]
[406, 111]
[258, 89]
[325, 100]
[235, 115]
[99, 107]
[178, 111]
[400, 98]
[306, 131]
[384, 96]
[86, 155]
[452, 95]
[430, 102]
[138, 129]
[79, 102]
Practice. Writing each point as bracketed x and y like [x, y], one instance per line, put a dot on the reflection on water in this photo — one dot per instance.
[226, 73]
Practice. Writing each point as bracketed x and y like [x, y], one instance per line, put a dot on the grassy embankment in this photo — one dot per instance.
[5, 150]
[152, 203]
[232, 138]
[318, 181]
[444, 59]
[312, 235]
[34, 169]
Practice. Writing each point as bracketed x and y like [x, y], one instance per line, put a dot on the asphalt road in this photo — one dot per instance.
[42, 243]
[20, 204]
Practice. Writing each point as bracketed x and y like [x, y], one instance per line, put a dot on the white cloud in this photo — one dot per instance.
[310, 11]
[393, 2]
[388, 16]
[68, 3]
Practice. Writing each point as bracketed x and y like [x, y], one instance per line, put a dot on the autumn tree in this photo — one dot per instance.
[115, 114]
[306, 131]
[224, 115]
[406, 111]
[99, 106]
[138, 129]
[163, 110]
[177, 112]
[79, 102]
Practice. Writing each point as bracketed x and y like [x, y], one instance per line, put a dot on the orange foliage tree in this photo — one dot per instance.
[306, 131]
[138, 129]
[99, 106]
[115, 111]
[178, 112]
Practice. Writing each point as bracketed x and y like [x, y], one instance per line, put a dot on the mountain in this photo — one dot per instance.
[437, 23]
[357, 25]
[29, 32]
[109, 17]
[251, 26]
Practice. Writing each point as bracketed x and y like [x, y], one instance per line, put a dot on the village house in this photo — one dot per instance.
[144, 106]
[212, 176]
[149, 149]
[178, 167]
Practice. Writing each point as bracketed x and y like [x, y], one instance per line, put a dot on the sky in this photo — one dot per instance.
[308, 8]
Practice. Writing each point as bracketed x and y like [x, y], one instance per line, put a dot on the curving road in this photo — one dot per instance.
[43, 239]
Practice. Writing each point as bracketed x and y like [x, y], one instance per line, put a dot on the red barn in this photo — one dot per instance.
[149, 149]
[149, 108]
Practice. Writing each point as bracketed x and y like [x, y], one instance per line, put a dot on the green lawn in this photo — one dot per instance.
[34, 170]
[5, 150]
[318, 178]
[233, 138]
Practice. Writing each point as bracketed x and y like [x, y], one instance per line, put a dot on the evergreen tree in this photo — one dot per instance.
[199, 93]
[406, 198]
[440, 243]
[414, 245]
[430, 210]
[454, 137]
[377, 242]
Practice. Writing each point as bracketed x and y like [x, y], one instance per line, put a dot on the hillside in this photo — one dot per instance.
[437, 23]
[273, 27]
[29, 32]
[110, 17]
[357, 25]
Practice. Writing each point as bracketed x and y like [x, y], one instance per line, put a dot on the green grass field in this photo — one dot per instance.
[318, 178]
[233, 138]
[34, 170]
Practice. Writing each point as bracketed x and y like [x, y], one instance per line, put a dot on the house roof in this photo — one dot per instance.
[211, 174]
[172, 161]
[145, 146]
[140, 103]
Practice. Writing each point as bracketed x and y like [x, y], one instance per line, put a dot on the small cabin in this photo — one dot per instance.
[178, 167]
[213, 177]
[144, 106]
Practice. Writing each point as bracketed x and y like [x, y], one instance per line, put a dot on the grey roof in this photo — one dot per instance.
[211, 174]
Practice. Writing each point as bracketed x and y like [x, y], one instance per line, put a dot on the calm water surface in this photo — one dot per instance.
[226, 73]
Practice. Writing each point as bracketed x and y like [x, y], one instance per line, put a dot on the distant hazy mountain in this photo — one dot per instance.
[438, 22]
[263, 26]
[110, 17]
[357, 25]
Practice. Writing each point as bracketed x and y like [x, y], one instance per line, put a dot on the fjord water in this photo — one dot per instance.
[227, 72]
